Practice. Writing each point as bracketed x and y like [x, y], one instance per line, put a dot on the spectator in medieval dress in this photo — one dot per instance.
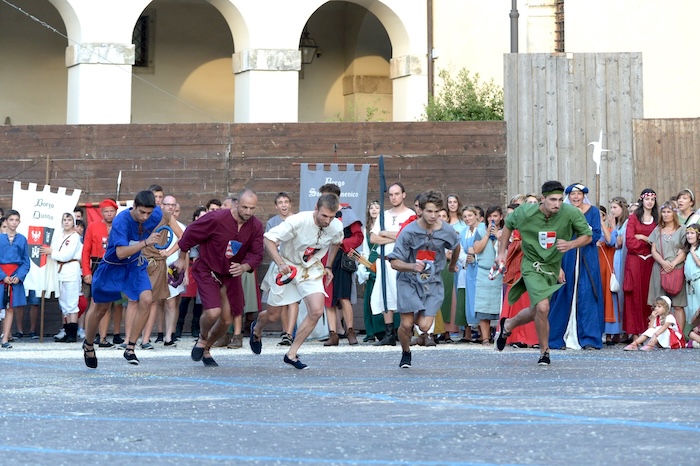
[638, 264]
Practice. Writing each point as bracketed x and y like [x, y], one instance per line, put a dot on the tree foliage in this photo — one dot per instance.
[465, 98]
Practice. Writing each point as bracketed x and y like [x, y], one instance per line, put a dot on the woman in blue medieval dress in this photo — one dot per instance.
[576, 312]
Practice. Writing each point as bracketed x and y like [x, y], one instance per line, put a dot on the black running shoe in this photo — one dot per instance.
[209, 361]
[544, 359]
[130, 357]
[295, 364]
[197, 353]
[405, 360]
[502, 335]
[255, 341]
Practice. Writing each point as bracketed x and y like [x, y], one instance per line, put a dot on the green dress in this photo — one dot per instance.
[374, 324]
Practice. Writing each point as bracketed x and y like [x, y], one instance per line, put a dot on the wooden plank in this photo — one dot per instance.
[621, 155]
[510, 112]
[610, 171]
[526, 156]
[578, 135]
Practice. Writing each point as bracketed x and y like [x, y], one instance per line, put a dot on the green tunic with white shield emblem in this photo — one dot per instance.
[541, 259]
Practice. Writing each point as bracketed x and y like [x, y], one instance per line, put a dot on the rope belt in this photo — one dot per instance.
[140, 259]
[538, 268]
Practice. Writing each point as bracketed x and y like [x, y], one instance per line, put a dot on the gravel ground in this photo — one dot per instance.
[458, 404]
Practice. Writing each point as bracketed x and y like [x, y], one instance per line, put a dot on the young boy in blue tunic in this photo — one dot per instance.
[14, 267]
[419, 257]
[123, 269]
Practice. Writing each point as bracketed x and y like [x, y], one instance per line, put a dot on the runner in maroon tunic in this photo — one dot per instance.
[230, 244]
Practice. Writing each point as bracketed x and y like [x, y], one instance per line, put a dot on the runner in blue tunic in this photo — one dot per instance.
[123, 269]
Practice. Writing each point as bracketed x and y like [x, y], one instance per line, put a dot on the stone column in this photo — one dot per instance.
[99, 83]
[410, 86]
[267, 85]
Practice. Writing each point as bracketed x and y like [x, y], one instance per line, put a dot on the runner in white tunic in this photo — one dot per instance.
[303, 239]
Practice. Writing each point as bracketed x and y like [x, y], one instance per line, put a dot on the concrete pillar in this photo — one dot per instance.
[267, 85]
[99, 83]
[410, 86]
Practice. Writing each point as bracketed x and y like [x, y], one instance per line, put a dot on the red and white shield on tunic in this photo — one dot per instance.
[36, 238]
[548, 239]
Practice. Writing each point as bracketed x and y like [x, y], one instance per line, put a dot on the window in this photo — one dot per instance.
[143, 41]
[559, 26]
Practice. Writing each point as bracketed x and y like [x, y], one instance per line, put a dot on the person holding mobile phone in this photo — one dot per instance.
[487, 301]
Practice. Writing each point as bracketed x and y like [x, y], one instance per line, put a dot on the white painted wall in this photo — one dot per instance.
[665, 32]
[195, 42]
[192, 55]
[33, 77]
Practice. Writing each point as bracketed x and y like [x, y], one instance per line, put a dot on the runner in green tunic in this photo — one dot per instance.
[546, 230]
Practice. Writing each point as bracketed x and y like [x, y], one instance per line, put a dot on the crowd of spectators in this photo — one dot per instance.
[615, 291]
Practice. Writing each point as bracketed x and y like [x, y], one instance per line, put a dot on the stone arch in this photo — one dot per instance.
[394, 23]
[376, 92]
[33, 89]
[192, 61]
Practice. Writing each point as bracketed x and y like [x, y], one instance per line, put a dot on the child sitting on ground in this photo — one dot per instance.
[663, 329]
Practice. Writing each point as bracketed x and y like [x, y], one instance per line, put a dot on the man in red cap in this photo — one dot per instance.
[94, 245]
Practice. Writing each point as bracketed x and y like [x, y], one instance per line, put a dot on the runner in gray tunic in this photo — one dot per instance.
[419, 258]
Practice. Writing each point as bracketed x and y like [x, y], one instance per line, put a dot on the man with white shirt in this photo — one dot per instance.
[384, 291]
[296, 271]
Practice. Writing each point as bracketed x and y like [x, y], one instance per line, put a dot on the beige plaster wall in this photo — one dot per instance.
[192, 61]
[33, 77]
[665, 32]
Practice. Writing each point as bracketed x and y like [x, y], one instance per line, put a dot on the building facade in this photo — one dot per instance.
[189, 61]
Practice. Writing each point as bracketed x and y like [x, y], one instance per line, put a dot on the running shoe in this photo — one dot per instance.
[544, 359]
[256, 342]
[405, 360]
[131, 358]
[295, 364]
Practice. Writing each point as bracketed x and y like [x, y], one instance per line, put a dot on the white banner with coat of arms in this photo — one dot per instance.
[40, 218]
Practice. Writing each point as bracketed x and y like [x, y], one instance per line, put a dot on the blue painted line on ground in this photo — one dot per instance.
[277, 459]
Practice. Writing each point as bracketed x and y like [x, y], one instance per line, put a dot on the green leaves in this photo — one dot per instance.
[465, 98]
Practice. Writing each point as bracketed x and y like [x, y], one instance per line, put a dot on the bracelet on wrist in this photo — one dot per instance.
[329, 268]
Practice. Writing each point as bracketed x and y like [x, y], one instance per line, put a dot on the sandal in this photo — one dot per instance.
[130, 355]
[90, 361]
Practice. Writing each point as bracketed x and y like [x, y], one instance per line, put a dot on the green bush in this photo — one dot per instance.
[465, 98]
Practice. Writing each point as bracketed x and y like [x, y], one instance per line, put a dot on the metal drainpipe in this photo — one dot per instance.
[431, 68]
[514, 26]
